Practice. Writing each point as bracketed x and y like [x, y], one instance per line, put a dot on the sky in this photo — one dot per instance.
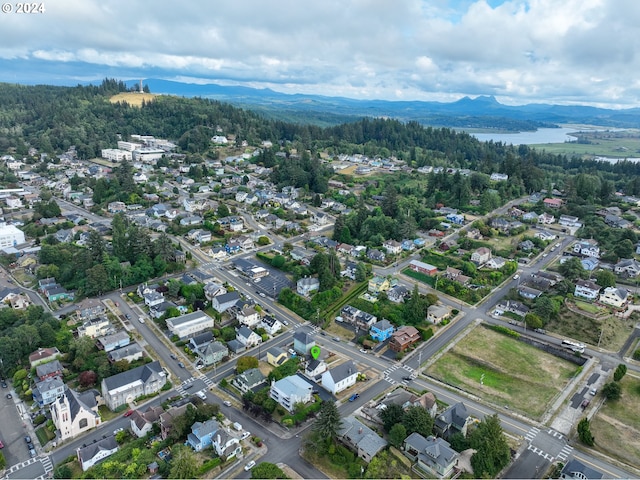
[520, 51]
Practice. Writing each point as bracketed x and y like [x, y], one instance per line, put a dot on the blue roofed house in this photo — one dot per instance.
[381, 330]
[202, 434]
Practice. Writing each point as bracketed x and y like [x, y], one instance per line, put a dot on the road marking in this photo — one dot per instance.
[540, 453]
[565, 452]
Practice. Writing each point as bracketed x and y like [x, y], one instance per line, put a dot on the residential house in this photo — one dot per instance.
[432, 454]
[526, 245]
[392, 247]
[517, 308]
[574, 469]
[248, 316]
[569, 221]
[276, 356]
[381, 330]
[346, 249]
[213, 353]
[167, 418]
[90, 455]
[43, 355]
[340, 378]
[221, 303]
[552, 202]
[376, 255]
[89, 309]
[46, 391]
[314, 368]
[378, 284]
[421, 267]
[49, 369]
[587, 248]
[307, 285]
[586, 289]
[528, 292]
[115, 340]
[199, 342]
[359, 437]
[481, 256]
[247, 338]
[95, 327]
[455, 419]
[628, 267]
[615, 297]
[290, 391]
[130, 353]
[190, 324]
[437, 313]
[218, 253]
[456, 275]
[546, 219]
[270, 324]
[248, 380]
[74, 413]
[589, 263]
[212, 290]
[225, 445]
[142, 422]
[202, 434]
[357, 317]
[398, 293]
[303, 342]
[125, 387]
[403, 338]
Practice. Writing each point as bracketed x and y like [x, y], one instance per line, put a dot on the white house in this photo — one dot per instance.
[190, 324]
[616, 297]
[247, 337]
[305, 286]
[142, 422]
[291, 390]
[586, 289]
[248, 316]
[340, 378]
[587, 248]
[271, 324]
[125, 387]
[481, 256]
[94, 452]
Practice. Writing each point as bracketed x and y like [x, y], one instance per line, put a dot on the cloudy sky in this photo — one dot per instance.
[521, 51]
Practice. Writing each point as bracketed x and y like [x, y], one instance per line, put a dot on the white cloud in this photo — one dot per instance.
[523, 51]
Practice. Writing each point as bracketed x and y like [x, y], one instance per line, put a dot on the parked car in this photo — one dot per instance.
[127, 316]
[226, 403]
[336, 339]
[9, 396]
[516, 276]
[593, 391]
[585, 403]
[540, 330]
[118, 430]
[141, 320]
[173, 355]
[249, 466]
[354, 397]
[27, 439]
[128, 413]
[30, 446]
[181, 365]
[33, 453]
[245, 435]
[285, 323]
[4, 384]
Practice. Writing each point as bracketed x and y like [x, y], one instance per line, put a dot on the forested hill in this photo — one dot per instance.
[53, 118]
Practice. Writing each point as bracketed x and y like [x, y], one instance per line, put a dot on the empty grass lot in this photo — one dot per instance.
[616, 426]
[515, 374]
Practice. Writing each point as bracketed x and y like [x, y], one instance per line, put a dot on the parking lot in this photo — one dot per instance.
[13, 429]
[269, 285]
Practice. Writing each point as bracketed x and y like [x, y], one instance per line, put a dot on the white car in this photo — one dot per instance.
[516, 276]
[226, 403]
[249, 466]
[118, 430]
[202, 394]
[245, 435]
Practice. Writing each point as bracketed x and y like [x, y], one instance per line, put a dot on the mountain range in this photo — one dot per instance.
[483, 112]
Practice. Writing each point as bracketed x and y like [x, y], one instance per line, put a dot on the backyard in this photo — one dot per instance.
[504, 371]
[616, 426]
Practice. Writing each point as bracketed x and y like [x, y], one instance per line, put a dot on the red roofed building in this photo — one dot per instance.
[403, 338]
[552, 202]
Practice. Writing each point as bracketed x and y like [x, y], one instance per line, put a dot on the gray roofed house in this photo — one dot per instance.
[46, 391]
[575, 469]
[453, 420]
[248, 380]
[213, 353]
[340, 377]
[200, 341]
[142, 422]
[49, 369]
[235, 346]
[113, 341]
[303, 342]
[94, 452]
[130, 353]
[432, 454]
[361, 438]
[125, 387]
[221, 303]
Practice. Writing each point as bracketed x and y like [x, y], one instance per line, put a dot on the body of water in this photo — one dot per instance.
[542, 135]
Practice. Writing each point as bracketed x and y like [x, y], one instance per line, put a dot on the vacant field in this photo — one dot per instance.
[614, 331]
[338, 330]
[513, 373]
[608, 144]
[133, 98]
[616, 426]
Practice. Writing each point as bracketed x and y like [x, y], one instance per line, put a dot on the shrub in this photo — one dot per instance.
[39, 420]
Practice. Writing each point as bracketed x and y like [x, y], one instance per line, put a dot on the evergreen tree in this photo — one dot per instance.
[328, 422]
[492, 451]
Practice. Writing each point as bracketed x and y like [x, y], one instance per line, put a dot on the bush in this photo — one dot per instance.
[209, 465]
[39, 420]
[505, 331]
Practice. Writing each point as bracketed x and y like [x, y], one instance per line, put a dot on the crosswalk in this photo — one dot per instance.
[540, 452]
[532, 433]
[181, 388]
[565, 453]
[393, 368]
[207, 381]
[555, 434]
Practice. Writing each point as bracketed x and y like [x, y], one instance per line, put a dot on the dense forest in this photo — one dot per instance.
[52, 119]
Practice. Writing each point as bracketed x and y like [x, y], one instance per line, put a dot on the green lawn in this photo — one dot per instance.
[588, 307]
[512, 373]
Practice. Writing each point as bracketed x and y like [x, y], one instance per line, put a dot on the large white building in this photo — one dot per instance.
[129, 146]
[115, 154]
[188, 325]
[147, 154]
[10, 236]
